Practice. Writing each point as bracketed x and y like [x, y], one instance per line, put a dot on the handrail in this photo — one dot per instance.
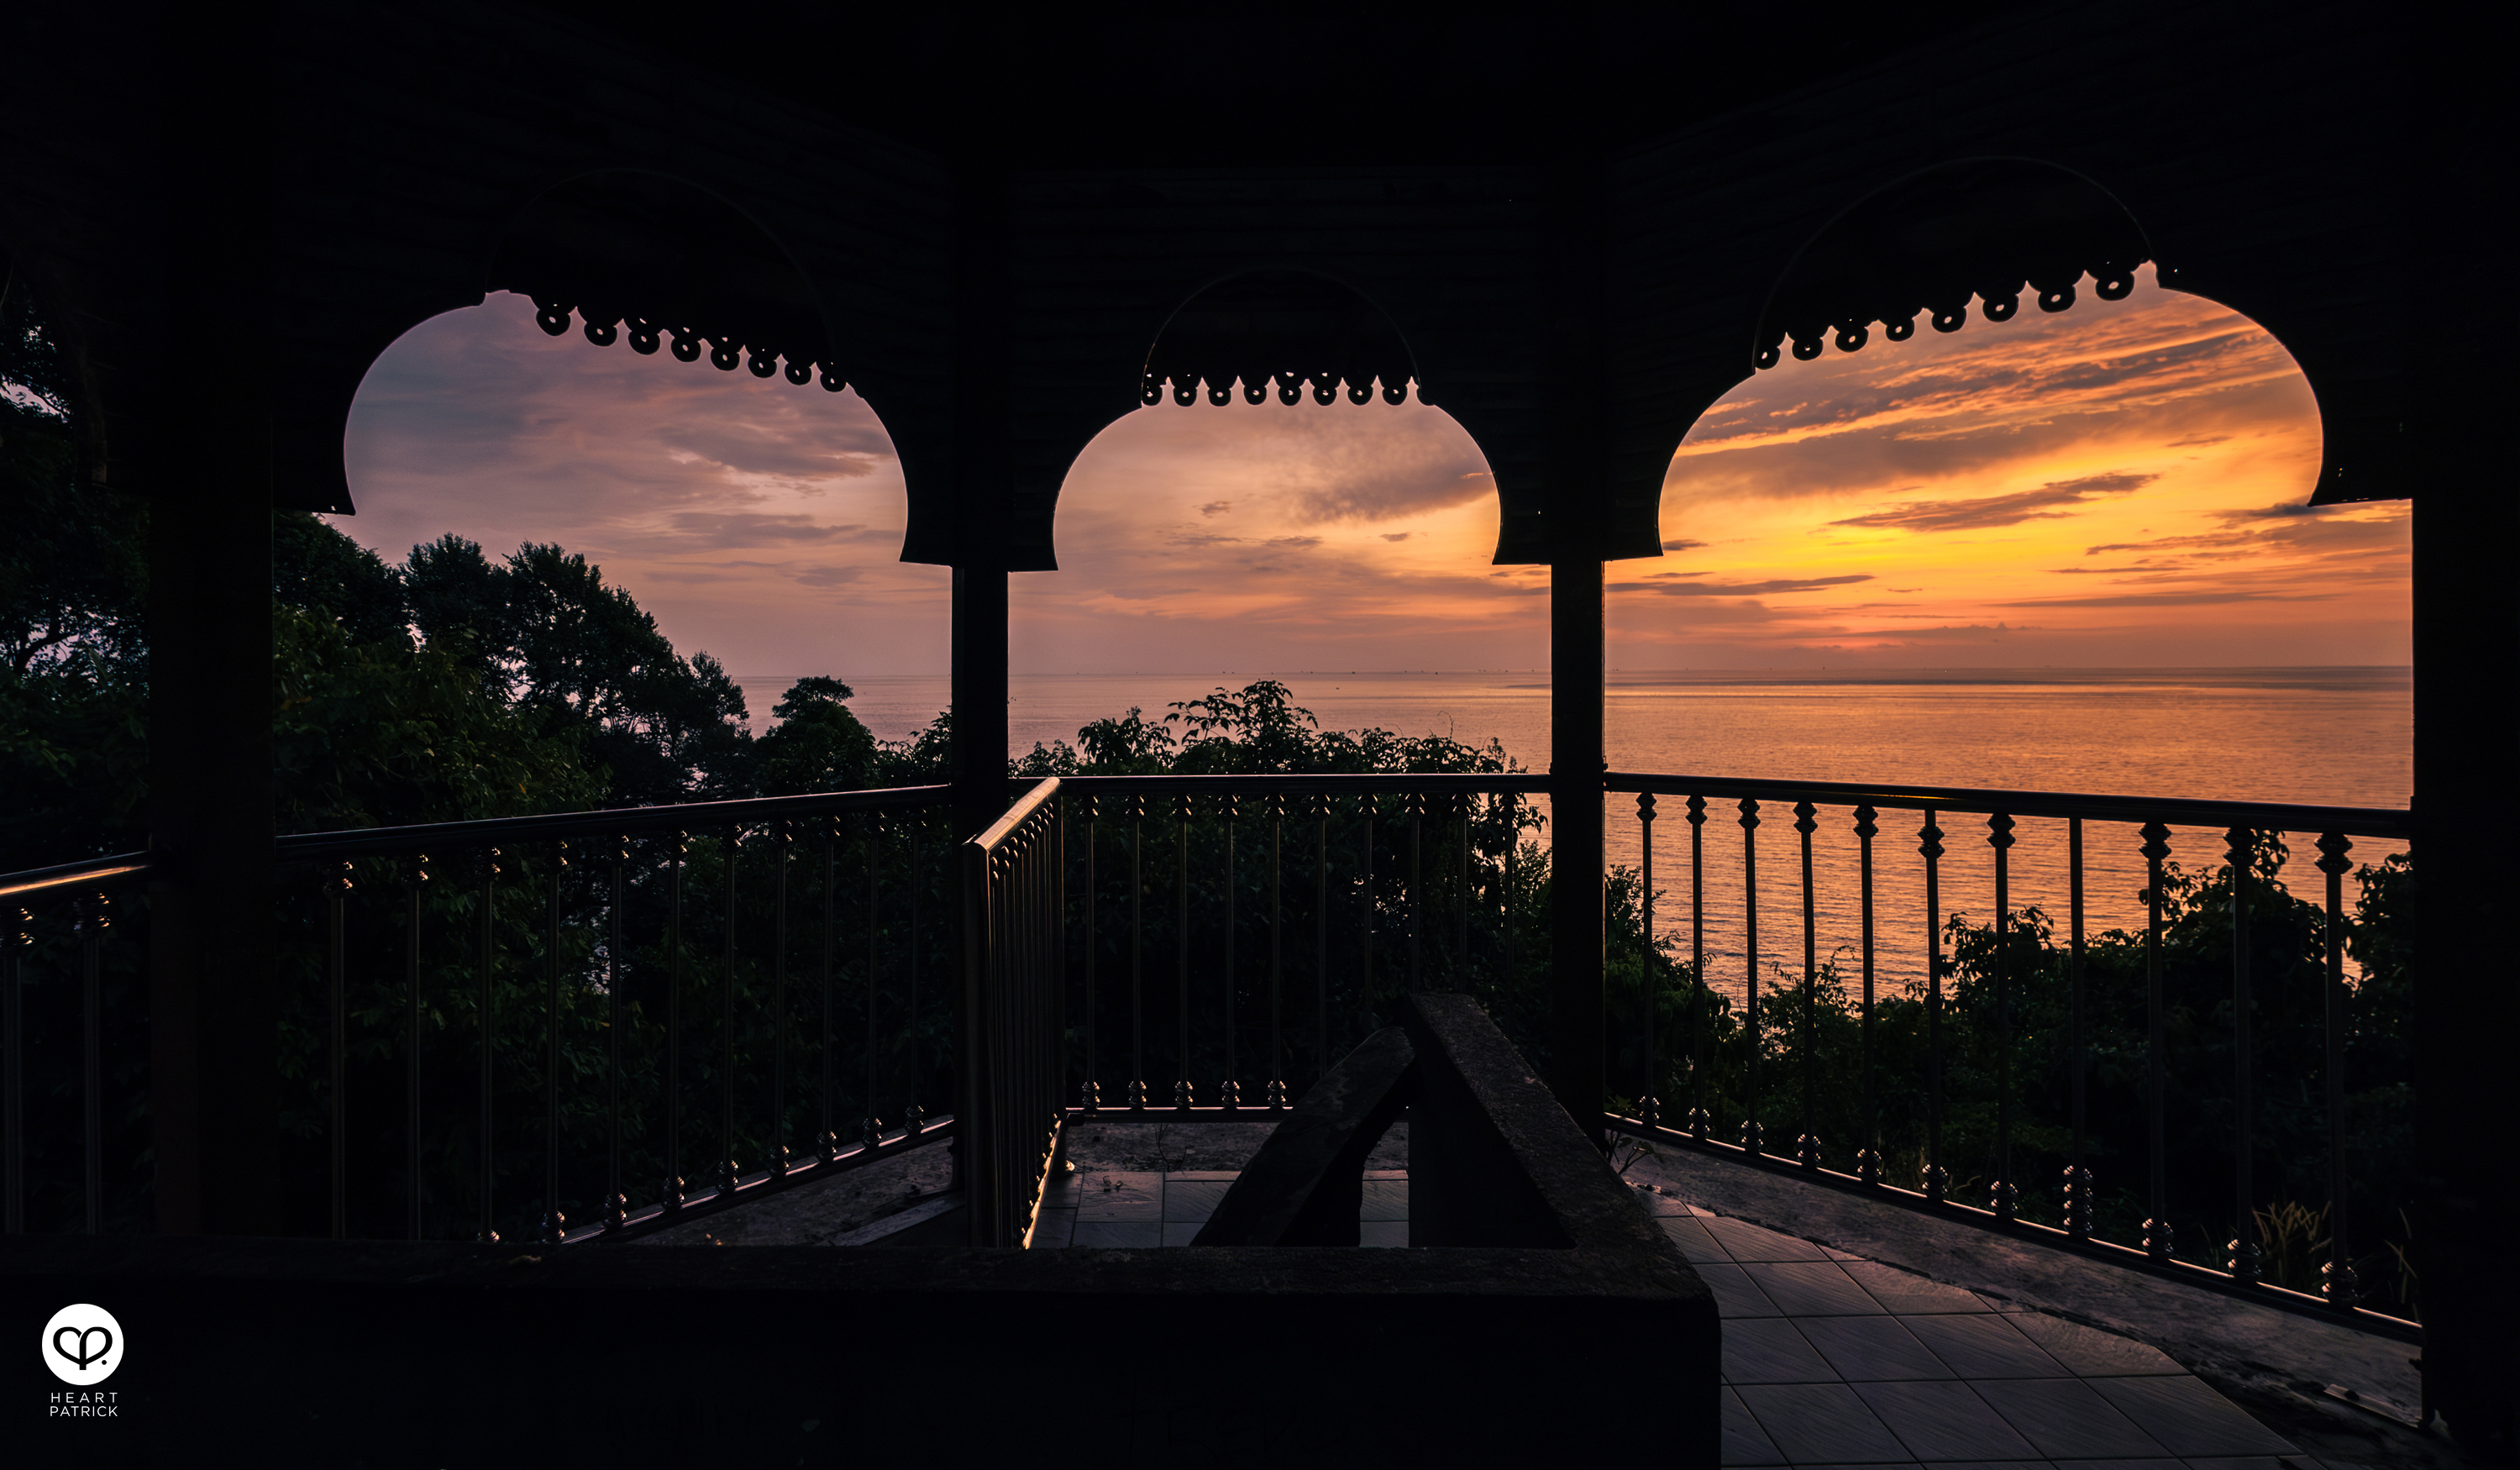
[87, 872]
[685, 816]
[1479, 782]
[2369, 822]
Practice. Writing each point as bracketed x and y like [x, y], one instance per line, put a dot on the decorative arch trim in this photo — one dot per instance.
[1281, 332]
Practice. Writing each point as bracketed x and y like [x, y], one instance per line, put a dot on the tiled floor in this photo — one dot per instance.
[1136, 1210]
[1829, 1359]
[1832, 1360]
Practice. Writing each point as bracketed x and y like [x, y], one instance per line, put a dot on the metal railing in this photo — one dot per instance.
[2243, 836]
[1291, 912]
[1015, 935]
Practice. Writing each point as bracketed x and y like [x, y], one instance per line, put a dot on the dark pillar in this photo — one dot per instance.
[213, 1013]
[1577, 427]
[1575, 675]
[2467, 747]
[981, 486]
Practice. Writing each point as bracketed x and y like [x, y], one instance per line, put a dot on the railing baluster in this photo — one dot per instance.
[555, 1226]
[13, 1070]
[1137, 811]
[336, 892]
[1416, 804]
[779, 1155]
[1365, 990]
[1181, 944]
[1868, 1160]
[1228, 1095]
[827, 1139]
[2078, 1176]
[91, 916]
[1091, 1094]
[871, 1124]
[1321, 929]
[1702, 1003]
[1751, 1139]
[2157, 1240]
[1929, 844]
[2338, 1285]
[1461, 971]
[727, 1173]
[1275, 1094]
[616, 1201]
[670, 1193]
[2005, 1200]
[1648, 1111]
[1807, 1146]
[2243, 1258]
[914, 1116]
[486, 867]
[411, 1048]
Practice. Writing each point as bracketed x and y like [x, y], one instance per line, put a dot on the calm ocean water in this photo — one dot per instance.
[2319, 735]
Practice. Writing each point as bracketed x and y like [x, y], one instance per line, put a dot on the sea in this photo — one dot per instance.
[2324, 735]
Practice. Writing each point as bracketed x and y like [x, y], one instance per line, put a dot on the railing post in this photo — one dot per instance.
[826, 1139]
[555, 1226]
[1321, 931]
[727, 1173]
[1182, 1089]
[19, 934]
[2078, 1176]
[1090, 1095]
[1700, 1121]
[336, 892]
[869, 1122]
[2338, 1283]
[1364, 806]
[913, 839]
[1229, 1093]
[1649, 1110]
[1275, 1094]
[2243, 1258]
[1137, 814]
[486, 868]
[411, 1050]
[1807, 1146]
[1752, 1139]
[617, 1200]
[2157, 1240]
[670, 1193]
[1868, 1159]
[90, 916]
[1929, 845]
[780, 1157]
[2005, 1200]
[1416, 804]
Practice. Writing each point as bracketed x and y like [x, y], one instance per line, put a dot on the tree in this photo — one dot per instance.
[819, 743]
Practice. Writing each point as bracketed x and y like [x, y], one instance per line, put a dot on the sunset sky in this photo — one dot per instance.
[2118, 484]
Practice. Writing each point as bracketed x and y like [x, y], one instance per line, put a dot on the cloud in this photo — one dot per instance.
[1682, 544]
[1986, 513]
[1396, 535]
[701, 530]
[2212, 597]
[1216, 507]
[1697, 589]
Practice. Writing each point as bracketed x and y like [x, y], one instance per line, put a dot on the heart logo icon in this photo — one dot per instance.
[80, 1353]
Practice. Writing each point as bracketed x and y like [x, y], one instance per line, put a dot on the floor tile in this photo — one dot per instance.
[1812, 1288]
[1984, 1346]
[1384, 1234]
[1822, 1423]
[1228, 1175]
[1106, 1197]
[1744, 1241]
[2091, 1352]
[1192, 1201]
[2250, 1462]
[1385, 1199]
[1768, 1350]
[1905, 1292]
[1745, 1442]
[1182, 1232]
[1659, 1204]
[2065, 1417]
[2189, 1418]
[1892, 1466]
[1735, 1295]
[1693, 1241]
[1117, 1234]
[1834, 1253]
[2115, 1465]
[1943, 1421]
[1870, 1349]
[1053, 1229]
[1987, 1465]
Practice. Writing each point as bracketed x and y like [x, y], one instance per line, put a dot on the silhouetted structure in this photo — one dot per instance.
[1573, 235]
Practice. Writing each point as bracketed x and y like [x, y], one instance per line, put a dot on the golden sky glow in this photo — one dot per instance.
[2119, 484]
